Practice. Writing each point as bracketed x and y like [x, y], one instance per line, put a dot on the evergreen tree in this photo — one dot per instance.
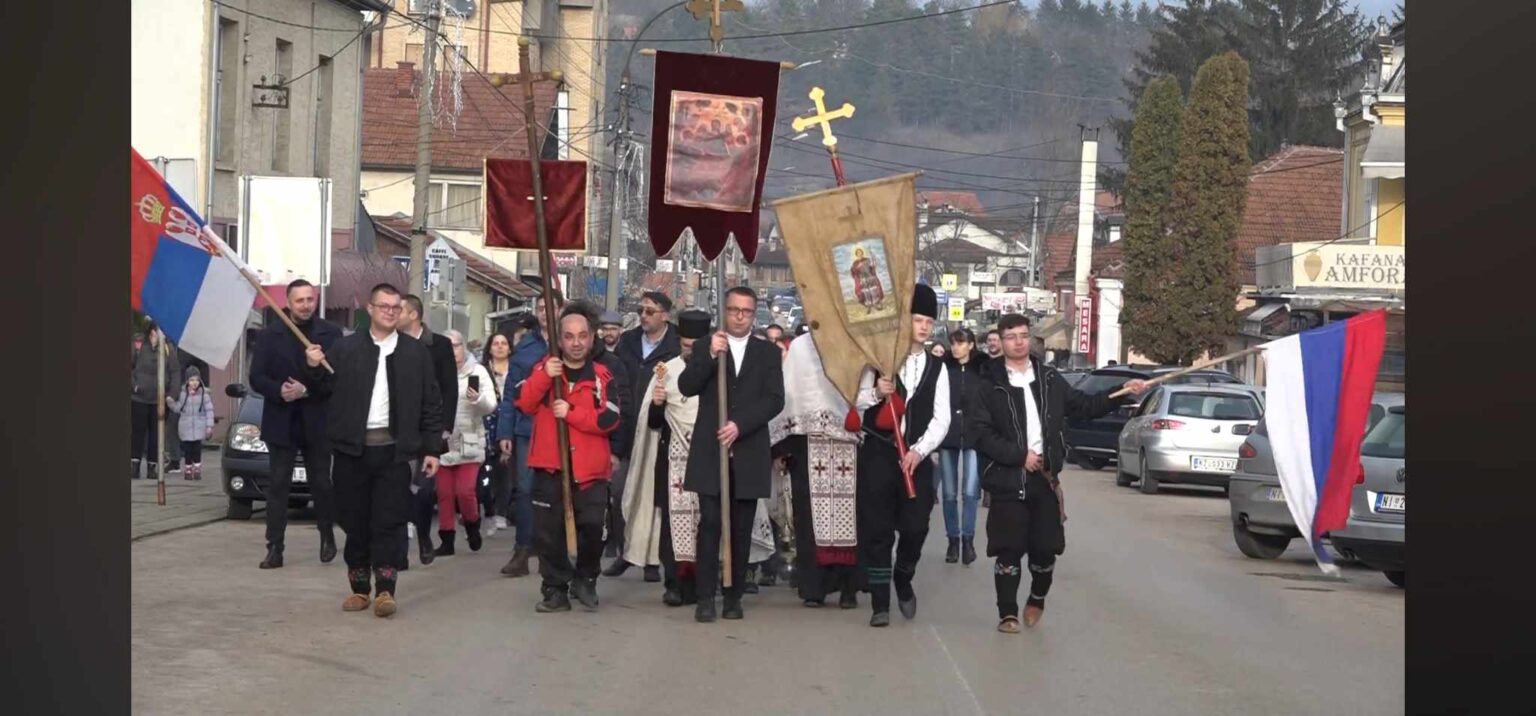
[1303, 55]
[1210, 189]
[1149, 256]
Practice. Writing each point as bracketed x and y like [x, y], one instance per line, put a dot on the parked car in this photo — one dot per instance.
[247, 470]
[1186, 434]
[1262, 525]
[1095, 443]
[1375, 534]
[1074, 375]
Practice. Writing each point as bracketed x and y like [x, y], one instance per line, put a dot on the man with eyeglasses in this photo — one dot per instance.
[446, 370]
[641, 349]
[515, 429]
[384, 413]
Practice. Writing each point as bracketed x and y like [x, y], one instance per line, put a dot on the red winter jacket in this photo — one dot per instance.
[593, 415]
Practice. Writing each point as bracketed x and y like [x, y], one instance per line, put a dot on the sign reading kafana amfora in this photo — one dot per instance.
[1333, 266]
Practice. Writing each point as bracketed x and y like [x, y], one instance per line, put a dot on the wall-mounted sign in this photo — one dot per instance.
[1083, 331]
[983, 277]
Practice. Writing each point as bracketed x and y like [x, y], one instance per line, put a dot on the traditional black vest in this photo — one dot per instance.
[919, 404]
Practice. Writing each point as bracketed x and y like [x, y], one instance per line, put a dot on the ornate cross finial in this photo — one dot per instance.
[699, 8]
[823, 117]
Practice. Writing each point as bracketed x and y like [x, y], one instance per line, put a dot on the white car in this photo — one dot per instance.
[1187, 434]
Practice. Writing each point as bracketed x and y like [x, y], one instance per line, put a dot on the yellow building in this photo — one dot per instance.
[1374, 123]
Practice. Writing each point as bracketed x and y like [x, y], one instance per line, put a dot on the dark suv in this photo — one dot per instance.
[247, 471]
[1093, 443]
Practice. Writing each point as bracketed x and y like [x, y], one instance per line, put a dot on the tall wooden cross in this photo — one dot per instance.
[525, 78]
[824, 118]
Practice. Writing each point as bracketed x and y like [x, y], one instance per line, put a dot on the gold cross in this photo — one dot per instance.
[823, 117]
[699, 8]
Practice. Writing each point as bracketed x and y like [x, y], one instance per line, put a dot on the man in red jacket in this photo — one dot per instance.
[591, 414]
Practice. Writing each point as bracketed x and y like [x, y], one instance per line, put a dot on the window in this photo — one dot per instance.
[228, 92]
[1213, 406]
[454, 206]
[1389, 438]
[1149, 406]
[280, 117]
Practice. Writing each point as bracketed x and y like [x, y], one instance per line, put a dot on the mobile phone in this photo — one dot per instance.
[474, 382]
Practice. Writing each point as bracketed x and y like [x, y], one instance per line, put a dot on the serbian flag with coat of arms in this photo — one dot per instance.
[184, 276]
[1318, 387]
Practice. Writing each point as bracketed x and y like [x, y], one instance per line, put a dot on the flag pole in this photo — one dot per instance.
[160, 424]
[721, 366]
[1197, 366]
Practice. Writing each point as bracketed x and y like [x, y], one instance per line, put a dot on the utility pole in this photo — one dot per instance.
[1035, 279]
[418, 271]
[616, 243]
[1081, 291]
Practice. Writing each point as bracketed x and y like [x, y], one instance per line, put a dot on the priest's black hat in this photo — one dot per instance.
[925, 302]
[692, 323]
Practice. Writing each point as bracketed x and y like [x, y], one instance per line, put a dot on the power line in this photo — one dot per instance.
[279, 22]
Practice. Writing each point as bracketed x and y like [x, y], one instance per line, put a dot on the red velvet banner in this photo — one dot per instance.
[711, 131]
[509, 217]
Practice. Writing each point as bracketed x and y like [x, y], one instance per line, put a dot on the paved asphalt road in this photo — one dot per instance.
[1154, 612]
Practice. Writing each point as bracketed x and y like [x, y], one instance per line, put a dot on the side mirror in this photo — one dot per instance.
[236, 390]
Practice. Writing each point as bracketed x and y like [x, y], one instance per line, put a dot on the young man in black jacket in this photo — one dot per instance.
[385, 412]
[1018, 421]
[293, 419]
[446, 371]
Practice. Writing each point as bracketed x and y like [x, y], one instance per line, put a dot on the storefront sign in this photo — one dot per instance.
[1083, 331]
[1332, 267]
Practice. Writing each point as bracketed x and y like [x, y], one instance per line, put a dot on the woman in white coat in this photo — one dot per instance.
[460, 465]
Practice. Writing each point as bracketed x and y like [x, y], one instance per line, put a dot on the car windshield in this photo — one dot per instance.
[1388, 438]
[1213, 406]
[1099, 382]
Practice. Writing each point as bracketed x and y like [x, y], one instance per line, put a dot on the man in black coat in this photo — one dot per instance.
[385, 412]
[641, 349]
[293, 419]
[1017, 419]
[754, 395]
[446, 371]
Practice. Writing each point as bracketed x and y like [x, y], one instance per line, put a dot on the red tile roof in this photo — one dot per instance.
[964, 201]
[487, 126]
[1294, 195]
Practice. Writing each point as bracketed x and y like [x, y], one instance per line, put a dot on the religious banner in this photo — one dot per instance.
[509, 219]
[712, 128]
[851, 251]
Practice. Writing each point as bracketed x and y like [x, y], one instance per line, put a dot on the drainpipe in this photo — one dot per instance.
[213, 109]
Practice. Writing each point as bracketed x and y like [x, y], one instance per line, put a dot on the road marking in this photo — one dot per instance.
[958, 673]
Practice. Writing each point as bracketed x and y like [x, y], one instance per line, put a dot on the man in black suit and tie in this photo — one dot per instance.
[754, 395]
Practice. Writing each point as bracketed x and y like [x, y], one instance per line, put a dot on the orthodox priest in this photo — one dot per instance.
[821, 455]
[661, 519]
[914, 404]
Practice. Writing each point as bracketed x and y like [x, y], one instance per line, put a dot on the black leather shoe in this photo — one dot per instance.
[617, 568]
[555, 600]
[849, 599]
[472, 535]
[327, 547]
[704, 613]
[814, 603]
[732, 609]
[585, 591]
[427, 554]
[672, 597]
[906, 601]
[952, 555]
[880, 619]
[967, 550]
[749, 586]
[274, 558]
[653, 574]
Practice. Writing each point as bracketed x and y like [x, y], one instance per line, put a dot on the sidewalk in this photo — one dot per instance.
[187, 503]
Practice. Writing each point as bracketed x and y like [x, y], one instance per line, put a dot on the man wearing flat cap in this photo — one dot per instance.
[914, 403]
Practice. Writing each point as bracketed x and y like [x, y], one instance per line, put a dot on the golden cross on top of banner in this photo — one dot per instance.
[823, 117]
[699, 8]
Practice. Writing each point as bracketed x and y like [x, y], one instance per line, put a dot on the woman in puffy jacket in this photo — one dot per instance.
[460, 464]
[958, 473]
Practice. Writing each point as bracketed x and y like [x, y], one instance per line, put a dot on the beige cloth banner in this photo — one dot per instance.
[851, 250]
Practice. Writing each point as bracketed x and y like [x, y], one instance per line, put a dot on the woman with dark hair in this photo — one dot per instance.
[497, 360]
[958, 474]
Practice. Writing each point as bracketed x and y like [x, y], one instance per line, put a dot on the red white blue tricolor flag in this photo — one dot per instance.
[1318, 390]
[184, 276]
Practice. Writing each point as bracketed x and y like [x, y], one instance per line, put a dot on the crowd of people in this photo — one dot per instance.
[396, 421]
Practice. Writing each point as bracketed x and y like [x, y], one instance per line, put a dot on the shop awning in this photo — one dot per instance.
[1384, 154]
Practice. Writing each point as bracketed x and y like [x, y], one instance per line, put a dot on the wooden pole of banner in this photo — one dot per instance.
[721, 366]
[160, 423]
[1197, 366]
[526, 77]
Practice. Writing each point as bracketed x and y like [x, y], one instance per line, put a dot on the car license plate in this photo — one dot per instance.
[1213, 464]
[299, 475]
[1276, 494]
[1390, 503]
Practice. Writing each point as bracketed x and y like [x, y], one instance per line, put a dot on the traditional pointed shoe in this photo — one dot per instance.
[355, 603]
[384, 605]
[1032, 615]
[1009, 625]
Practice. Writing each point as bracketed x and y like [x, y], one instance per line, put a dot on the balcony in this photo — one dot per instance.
[1334, 269]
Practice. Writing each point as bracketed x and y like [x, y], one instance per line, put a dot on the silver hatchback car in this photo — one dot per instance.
[1375, 533]
[1187, 434]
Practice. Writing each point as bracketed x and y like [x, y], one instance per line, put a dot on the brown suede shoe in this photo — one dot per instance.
[384, 605]
[1032, 615]
[355, 603]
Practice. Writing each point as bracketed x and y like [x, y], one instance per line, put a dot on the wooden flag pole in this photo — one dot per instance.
[1197, 366]
[160, 424]
[525, 78]
[721, 366]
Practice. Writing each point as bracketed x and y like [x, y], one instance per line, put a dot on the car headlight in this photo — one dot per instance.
[247, 438]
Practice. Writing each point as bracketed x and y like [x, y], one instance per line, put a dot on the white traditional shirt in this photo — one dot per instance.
[378, 407]
[911, 375]
[1033, 432]
[738, 348]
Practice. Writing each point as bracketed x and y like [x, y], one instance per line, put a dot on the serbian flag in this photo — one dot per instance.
[509, 212]
[1318, 388]
[184, 276]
